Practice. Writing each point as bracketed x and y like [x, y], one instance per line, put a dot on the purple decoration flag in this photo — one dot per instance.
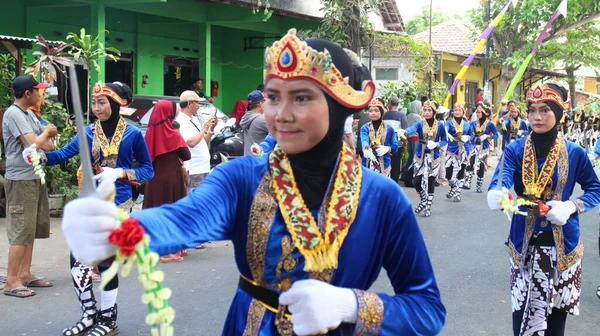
[454, 85]
[469, 60]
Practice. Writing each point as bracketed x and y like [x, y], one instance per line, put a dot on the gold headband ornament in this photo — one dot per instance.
[428, 103]
[541, 93]
[376, 102]
[290, 58]
[101, 90]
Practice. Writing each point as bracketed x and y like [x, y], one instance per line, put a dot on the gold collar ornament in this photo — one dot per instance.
[290, 58]
[541, 93]
[101, 90]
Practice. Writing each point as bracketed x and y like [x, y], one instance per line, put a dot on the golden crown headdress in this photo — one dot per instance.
[101, 90]
[541, 92]
[377, 102]
[428, 103]
[291, 58]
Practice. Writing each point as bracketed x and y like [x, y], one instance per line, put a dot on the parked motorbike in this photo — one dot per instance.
[226, 143]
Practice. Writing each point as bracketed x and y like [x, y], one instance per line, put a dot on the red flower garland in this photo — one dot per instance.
[127, 236]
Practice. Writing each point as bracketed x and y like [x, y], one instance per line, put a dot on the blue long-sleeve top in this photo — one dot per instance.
[390, 140]
[597, 148]
[454, 141]
[384, 234]
[268, 144]
[573, 167]
[489, 128]
[132, 147]
[509, 129]
[439, 136]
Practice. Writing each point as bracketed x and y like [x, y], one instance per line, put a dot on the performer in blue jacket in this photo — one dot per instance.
[484, 133]
[378, 140]
[545, 246]
[427, 160]
[311, 228]
[460, 134]
[114, 145]
[513, 127]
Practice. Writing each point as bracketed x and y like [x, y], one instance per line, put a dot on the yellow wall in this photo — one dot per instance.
[590, 84]
[452, 64]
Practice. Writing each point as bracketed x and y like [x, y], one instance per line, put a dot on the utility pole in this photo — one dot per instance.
[430, 74]
[486, 71]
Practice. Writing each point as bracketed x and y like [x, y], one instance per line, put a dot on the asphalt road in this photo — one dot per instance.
[465, 241]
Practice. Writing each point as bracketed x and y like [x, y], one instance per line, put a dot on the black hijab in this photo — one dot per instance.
[543, 142]
[124, 91]
[313, 169]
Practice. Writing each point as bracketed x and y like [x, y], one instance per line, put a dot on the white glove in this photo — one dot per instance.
[257, 150]
[27, 154]
[86, 224]
[317, 306]
[465, 138]
[560, 212]
[401, 134]
[483, 137]
[431, 144]
[109, 174]
[520, 132]
[382, 150]
[368, 153]
[494, 196]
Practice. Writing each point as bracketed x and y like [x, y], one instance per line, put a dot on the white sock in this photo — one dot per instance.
[109, 298]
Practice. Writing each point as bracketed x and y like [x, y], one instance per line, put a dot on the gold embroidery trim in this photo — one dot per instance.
[579, 205]
[535, 184]
[127, 205]
[378, 139]
[130, 174]
[256, 312]
[370, 313]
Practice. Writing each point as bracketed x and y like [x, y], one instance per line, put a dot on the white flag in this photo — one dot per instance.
[562, 8]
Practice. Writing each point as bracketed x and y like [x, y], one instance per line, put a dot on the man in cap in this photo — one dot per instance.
[253, 123]
[397, 121]
[26, 196]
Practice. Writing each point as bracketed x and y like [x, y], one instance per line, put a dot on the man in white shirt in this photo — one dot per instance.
[197, 135]
[348, 133]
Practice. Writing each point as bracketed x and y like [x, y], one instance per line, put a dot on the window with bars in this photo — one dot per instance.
[389, 74]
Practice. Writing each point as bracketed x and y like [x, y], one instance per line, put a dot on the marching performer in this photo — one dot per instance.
[114, 145]
[458, 152]
[485, 133]
[426, 165]
[545, 245]
[311, 227]
[378, 140]
[576, 134]
[513, 127]
[564, 125]
[591, 128]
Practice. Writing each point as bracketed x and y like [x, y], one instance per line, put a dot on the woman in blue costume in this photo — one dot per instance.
[378, 140]
[484, 133]
[276, 210]
[115, 145]
[513, 127]
[460, 134]
[426, 165]
[545, 244]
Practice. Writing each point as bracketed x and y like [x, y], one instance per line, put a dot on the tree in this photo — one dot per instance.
[49, 60]
[420, 22]
[515, 36]
[88, 51]
[578, 48]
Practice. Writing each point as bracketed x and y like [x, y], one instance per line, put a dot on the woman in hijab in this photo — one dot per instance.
[485, 133]
[378, 140]
[426, 166]
[311, 228]
[460, 133]
[168, 151]
[114, 145]
[545, 245]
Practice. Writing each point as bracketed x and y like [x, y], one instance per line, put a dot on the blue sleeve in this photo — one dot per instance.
[268, 144]
[588, 180]
[492, 131]
[597, 148]
[442, 135]
[205, 214]
[524, 128]
[364, 136]
[145, 171]
[510, 164]
[471, 132]
[393, 139]
[63, 154]
[414, 128]
[416, 308]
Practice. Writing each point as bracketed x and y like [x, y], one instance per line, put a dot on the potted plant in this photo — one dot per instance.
[61, 179]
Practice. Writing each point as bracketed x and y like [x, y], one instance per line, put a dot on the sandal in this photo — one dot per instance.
[96, 277]
[15, 292]
[38, 282]
[171, 258]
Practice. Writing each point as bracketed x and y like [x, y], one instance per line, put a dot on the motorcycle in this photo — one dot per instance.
[226, 143]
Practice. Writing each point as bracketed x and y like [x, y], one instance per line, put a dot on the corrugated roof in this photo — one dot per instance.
[454, 36]
[25, 39]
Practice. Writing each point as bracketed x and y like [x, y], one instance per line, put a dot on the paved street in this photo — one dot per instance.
[465, 241]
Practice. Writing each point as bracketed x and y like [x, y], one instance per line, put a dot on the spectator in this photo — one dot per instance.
[26, 196]
[197, 86]
[479, 97]
[397, 121]
[253, 123]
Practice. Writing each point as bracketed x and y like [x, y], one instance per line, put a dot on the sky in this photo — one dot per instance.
[410, 8]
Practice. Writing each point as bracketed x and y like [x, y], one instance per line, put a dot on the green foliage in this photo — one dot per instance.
[90, 50]
[60, 178]
[7, 75]
[408, 91]
[264, 8]
[420, 22]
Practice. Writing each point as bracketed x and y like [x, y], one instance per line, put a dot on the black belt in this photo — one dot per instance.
[265, 296]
